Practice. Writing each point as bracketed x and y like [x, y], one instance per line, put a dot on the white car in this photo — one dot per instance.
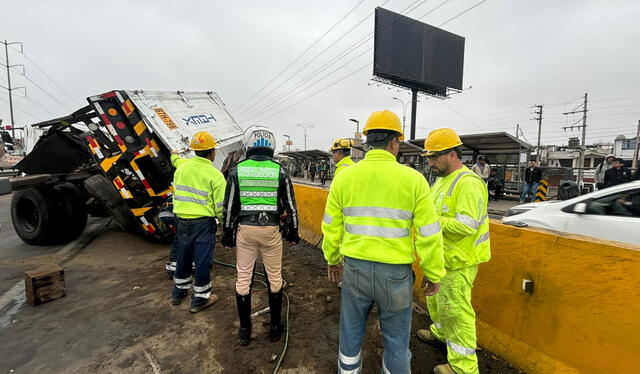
[612, 213]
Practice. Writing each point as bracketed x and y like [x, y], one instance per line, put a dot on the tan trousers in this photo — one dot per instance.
[254, 240]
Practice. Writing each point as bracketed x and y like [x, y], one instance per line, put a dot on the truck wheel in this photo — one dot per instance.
[38, 215]
[106, 194]
[75, 208]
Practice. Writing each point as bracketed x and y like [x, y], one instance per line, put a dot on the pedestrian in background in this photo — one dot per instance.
[532, 178]
[495, 184]
[197, 202]
[341, 154]
[618, 174]
[482, 168]
[373, 210]
[601, 169]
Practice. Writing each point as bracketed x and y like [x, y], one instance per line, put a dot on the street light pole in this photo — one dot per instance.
[404, 111]
[305, 128]
[287, 144]
[357, 126]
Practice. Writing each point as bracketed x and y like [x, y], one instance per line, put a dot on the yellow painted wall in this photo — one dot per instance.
[583, 315]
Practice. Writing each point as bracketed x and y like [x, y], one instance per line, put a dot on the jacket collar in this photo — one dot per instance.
[379, 155]
[202, 160]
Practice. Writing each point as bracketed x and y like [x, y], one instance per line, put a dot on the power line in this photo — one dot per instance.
[45, 91]
[20, 109]
[260, 112]
[361, 68]
[76, 102]
[291, 91]
[300, 55]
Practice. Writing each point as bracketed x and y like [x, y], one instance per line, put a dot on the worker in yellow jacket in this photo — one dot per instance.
[341, 154]
[197, 202]
[372, 211]
[460, 197]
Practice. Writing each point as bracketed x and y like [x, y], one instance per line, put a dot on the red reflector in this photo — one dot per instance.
[118, 140]
[108, 95]
[146, 184]
[120, 125]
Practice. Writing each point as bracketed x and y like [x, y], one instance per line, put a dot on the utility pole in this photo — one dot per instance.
[10, 89]
[538, 118]
[583, 146]
[414, 104]
[636, 150]
[305, 128]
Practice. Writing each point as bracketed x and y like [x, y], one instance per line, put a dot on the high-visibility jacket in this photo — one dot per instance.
[343, 164]
[373, 209]
[258, 182]
[461, 200]
[198, 188]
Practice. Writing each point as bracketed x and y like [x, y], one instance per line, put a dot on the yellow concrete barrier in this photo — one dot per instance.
[583, 313]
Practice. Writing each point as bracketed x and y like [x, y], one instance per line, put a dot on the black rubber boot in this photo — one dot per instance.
[275, 310]
[244, 312]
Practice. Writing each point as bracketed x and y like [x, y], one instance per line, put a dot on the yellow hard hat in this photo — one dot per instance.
[384, 120]
[341, 143]
[203, 141]
[440, 140]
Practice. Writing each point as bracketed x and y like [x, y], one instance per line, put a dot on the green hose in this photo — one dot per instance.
[286, 336]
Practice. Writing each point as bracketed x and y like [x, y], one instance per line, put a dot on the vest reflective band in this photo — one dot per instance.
[258, 182]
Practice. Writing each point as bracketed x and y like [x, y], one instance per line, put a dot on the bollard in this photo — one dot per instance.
[541, 194]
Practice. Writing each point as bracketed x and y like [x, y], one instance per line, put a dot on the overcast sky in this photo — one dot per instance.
[518, 53]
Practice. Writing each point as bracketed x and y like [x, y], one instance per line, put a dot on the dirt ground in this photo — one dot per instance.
[117, 318]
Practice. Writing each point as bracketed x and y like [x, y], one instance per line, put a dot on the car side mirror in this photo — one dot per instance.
[580, 208]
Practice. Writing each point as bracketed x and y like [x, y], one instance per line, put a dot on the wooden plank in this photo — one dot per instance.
[44, 284]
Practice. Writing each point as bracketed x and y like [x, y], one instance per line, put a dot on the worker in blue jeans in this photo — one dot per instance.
[532, 178]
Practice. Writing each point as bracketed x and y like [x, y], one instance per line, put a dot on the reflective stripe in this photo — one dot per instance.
[377, 212]
[258, 194]
[353, 371]
[191, 200]
[381, 232]
[438, 325]
[183, 286]
[258, 183]
[294, 215]
[484, 218]
[180, 280]
[349, 360]
[220, 204]
[327, 219]
[202, 288]
[483, 238]
[181, 187]
[204, 295]
[258, 172]
[460, 349]
[431, 229]
[230, 203]
[170, 266]
[467, 221]
[455, 181]
[266, 208]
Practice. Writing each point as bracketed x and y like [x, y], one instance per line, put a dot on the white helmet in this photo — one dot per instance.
[259, 137]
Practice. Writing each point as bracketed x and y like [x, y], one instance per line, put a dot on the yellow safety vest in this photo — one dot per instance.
[373, 209]
[461, 200]
[343, 164]
[198, 188]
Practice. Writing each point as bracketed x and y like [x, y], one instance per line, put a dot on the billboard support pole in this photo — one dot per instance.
[414, 104]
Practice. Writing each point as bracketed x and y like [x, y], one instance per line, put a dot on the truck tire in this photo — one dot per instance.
[101, 189]
[38, 215]
[75, 203]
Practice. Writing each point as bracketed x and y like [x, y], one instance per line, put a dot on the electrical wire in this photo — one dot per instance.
[300, 55]
[76, 102]
[19, 109]
[287, 327]
[346, 52]
[348, 75]
[46, 92]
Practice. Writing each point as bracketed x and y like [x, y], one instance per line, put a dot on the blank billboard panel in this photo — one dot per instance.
[416, 55]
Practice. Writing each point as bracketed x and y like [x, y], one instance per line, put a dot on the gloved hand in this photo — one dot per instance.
[292, 236]
[228, 238]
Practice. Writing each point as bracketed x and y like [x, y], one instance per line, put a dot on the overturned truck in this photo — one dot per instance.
[111, 158]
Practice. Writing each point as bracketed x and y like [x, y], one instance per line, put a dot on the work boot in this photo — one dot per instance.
[244, 312]
[275, 310]
[177, 297]
[443, 369]
[202, 305]
[426, 336]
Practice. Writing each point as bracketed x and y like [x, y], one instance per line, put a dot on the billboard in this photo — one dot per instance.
[415, 55]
